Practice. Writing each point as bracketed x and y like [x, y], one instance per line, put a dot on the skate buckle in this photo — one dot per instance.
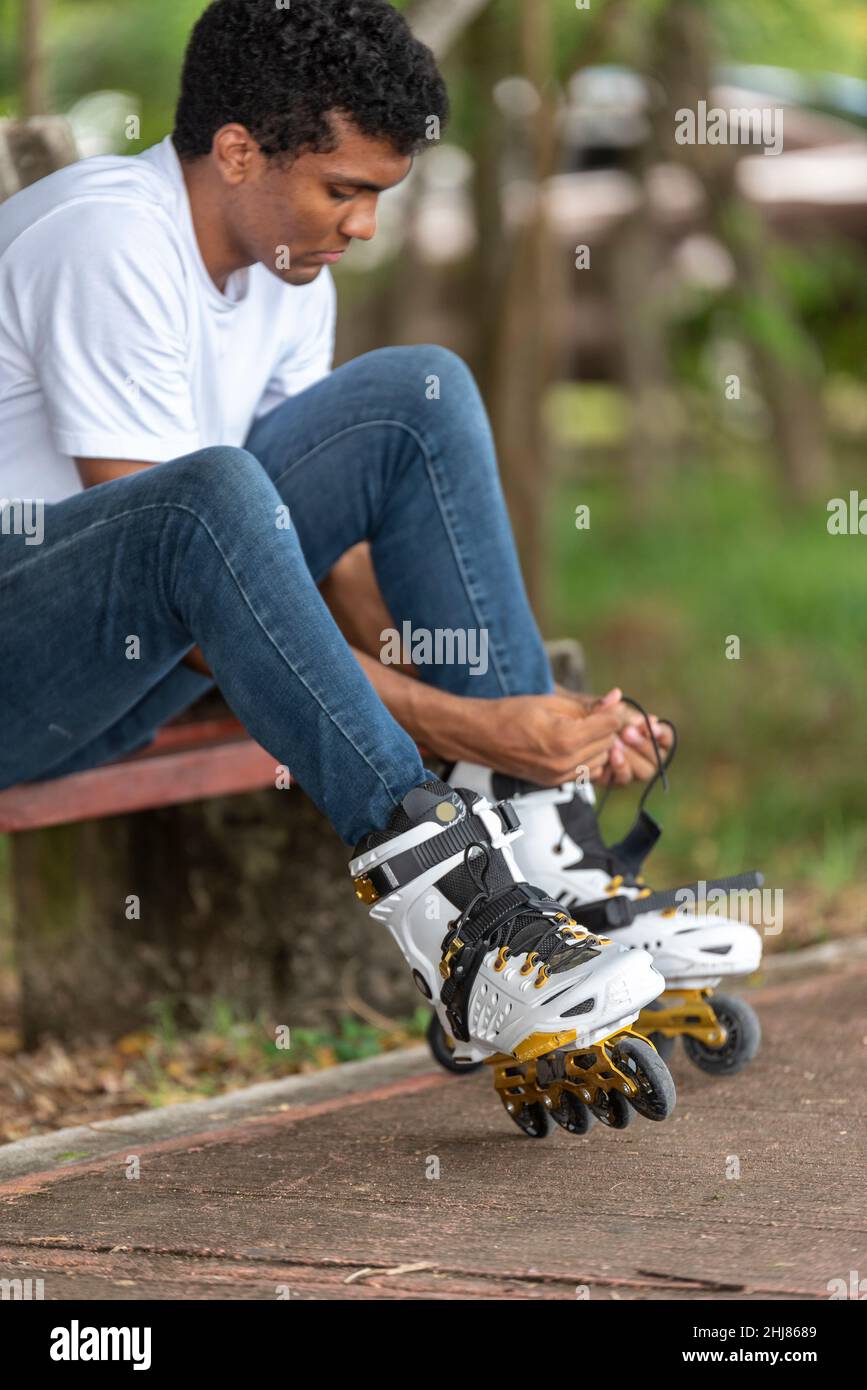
[364, 890]
[446, 962]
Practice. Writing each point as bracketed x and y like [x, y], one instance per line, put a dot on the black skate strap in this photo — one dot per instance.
[633, 849]
[402, 868]
[621, 911]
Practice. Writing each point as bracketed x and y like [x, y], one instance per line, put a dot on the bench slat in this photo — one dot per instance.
[195, 734]
[142, 783]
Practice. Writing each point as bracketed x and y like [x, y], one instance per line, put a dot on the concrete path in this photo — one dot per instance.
[319, 1187]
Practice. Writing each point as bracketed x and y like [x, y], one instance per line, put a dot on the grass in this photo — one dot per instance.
[769, 773]
[227, 1049]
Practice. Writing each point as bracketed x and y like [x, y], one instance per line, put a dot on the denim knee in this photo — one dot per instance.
[428, 372]
[216, 478]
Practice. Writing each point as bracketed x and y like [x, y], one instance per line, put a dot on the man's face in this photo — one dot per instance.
[299, 218]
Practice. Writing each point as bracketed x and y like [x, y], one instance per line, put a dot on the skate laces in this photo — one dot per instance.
[509, 918]
[621, 878]
[481, 882]
[662, 764]
[606, 858]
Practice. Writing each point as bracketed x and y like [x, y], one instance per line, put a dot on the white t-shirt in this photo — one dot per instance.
[114, 340]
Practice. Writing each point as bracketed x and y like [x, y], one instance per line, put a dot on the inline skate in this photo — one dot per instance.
[514, 982]
[601, 886]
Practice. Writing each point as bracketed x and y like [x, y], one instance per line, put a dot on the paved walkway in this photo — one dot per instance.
[317, 1186]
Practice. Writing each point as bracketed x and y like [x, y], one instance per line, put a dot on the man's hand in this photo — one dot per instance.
[632, 756]
[539, 738]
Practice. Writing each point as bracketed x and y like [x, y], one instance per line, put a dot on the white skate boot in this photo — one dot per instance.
[562, 851]
[512, 978]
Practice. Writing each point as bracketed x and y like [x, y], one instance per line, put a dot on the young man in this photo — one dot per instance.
[166, 331]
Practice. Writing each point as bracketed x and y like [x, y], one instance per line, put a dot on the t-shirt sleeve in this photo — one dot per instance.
[101, 298]
[307, 359]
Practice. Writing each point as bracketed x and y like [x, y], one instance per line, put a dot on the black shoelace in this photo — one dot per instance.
[662, 765]
[510, 917]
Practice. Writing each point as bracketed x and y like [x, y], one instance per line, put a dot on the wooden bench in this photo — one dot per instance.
[188, 761]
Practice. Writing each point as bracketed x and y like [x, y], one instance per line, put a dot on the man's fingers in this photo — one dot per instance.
[637, 736]
[663, 732]
[591, 752]
[618, 761]
[639, 743]
[601, 721]
[620, 766]
[613, 698]
[582, 741]
[571, 772]
[590, 770]
[642, 768]
[636, 732]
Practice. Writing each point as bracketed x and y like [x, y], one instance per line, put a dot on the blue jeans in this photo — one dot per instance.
[224, 548]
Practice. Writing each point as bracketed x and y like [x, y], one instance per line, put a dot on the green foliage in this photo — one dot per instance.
[814, 317]
[222, 1048]
[767, 774]
[768, 325]
[797, 34]
[596, 416]
[828, 287]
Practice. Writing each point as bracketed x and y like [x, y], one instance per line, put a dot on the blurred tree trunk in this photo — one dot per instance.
[518, 351]
[488, 57]
[409, 300]
[635, 262]
[788, 368]
[34, 100]
[510, 279]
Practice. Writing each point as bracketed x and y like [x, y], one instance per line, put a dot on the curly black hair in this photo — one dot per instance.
[280, 71]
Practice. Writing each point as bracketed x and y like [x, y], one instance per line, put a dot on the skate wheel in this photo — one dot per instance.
[534, 1120]
[656, 1094]
[442, 1047]
[663, 1044]
[572, 1114]
[743, 1035]
[533, 1117]
[611, 1108]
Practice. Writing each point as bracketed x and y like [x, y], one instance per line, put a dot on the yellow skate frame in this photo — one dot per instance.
[685, 1011]
[522, 1088]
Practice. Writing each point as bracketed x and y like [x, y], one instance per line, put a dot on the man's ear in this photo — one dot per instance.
[236, 154]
